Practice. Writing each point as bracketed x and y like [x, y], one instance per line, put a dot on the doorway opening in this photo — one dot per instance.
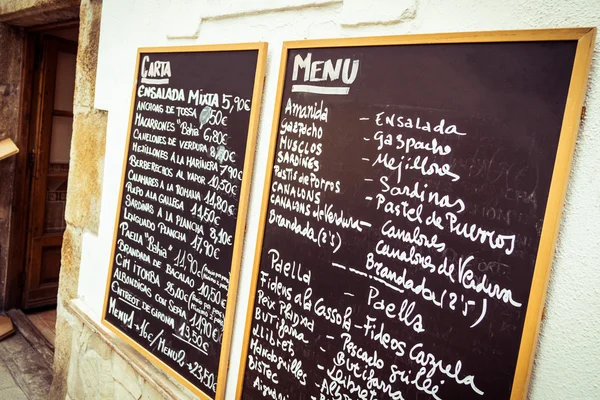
[49, 77]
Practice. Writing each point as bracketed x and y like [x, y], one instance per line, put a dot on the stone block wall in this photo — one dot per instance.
[97, 371]
[85, 188]
[101, 366]
[11, 45]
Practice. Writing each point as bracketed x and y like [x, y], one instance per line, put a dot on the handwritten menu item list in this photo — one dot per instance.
[405, 206]
[176, 228]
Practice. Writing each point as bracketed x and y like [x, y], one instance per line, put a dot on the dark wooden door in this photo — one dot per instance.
[52, 124]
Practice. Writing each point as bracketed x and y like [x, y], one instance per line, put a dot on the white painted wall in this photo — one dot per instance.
[568, 359]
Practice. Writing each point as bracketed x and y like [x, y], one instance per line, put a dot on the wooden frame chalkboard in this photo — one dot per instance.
[220, 114]
[581, 42]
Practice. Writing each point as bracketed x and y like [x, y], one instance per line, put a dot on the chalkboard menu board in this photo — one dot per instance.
[181, 218]
[410, 213]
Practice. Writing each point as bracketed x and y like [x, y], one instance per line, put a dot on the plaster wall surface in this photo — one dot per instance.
[567, 362]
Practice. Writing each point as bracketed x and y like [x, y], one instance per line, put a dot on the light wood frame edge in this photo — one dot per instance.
[261, 48]
[259, 81]
[532, 35]
[553, 214]
[262, 220]
[575, 97]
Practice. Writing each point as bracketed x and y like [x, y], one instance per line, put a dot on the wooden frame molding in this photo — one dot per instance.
[21, 188]
[261, 48]
[585, 38]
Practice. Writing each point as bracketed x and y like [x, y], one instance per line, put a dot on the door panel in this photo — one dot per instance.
[43, 286]
[51, 166]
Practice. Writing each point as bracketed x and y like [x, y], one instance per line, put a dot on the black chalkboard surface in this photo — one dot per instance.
[180, 224]
[410, 214]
